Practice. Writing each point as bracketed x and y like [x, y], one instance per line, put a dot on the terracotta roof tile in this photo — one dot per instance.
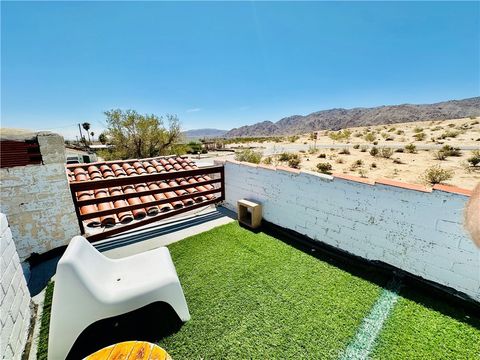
[119, 169]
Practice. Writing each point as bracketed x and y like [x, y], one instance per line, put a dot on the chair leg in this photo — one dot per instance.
[173, 295]
[64, 331]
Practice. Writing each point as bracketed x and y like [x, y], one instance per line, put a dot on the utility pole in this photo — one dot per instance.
[80, 129]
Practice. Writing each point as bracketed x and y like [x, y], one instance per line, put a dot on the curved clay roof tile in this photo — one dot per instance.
[121, 169]
[104, 168]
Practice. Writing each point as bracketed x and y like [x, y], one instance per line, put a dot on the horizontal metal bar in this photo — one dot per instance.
[122, 228]
[130, 180]
[124, 196]
[147, 204]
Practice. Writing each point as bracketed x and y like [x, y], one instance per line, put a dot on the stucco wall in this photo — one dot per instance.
[419, 232]
[14, 297]
[37, 200]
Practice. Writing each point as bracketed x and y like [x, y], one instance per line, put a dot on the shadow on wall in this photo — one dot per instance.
[413, 288]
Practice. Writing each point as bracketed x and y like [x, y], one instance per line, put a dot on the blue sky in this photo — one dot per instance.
[227, 64]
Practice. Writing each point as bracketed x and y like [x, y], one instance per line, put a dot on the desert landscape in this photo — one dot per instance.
[448, 149]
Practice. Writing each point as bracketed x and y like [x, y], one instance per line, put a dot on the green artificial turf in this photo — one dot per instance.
[42, 350]
[422, 328]
[253, 296]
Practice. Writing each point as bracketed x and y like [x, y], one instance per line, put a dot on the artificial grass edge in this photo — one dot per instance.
[42, 348]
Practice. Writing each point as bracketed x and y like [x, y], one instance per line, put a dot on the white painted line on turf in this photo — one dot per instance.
[362, 344]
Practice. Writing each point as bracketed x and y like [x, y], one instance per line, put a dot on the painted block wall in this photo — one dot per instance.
[419, 232]
[14, 297]
[37, 200]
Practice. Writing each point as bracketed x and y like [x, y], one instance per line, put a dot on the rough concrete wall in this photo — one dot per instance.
[37, 201]
[15, 298]
[419, 232]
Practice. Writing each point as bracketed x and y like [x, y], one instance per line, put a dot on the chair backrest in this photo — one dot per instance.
[85, 260]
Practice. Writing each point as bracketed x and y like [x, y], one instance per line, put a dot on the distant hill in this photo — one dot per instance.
[204, 133]
[336, 119]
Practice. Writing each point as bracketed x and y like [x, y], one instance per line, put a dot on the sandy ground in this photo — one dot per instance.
[407, 167]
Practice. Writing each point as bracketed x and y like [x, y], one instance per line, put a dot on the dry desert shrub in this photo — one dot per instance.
[324, 168]
[420, 136]
[386, 153]
[249, 156]
[474, 160]
[437, 175]
[374, 151]
[411, 149]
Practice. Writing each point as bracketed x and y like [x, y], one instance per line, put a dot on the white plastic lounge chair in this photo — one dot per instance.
[90, 287]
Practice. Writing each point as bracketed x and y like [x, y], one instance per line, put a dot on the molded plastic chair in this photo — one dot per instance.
[90, 287]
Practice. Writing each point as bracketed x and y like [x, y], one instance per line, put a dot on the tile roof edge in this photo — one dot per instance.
[68, 166]
[452, 189]
[353, 178]
[381, 181]
[288, 169]
[403, 185]
[268, 167]
[317, 174]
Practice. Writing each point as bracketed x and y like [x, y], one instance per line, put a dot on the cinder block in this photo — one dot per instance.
[7, 277]
[16, 305]
[6, 332]
[468, 269]
[6, 258]
[9, 353]
[449, 226]
[249, 213]
[6, 304]
[15, 335]
[3, 223]
[6, 238]
[449, 278]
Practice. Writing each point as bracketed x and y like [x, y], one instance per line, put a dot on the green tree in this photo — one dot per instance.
[139, 136]
[102, 138]
[195, 147]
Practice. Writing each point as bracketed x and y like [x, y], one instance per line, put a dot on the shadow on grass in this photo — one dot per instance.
[150, 323]
[414, 288]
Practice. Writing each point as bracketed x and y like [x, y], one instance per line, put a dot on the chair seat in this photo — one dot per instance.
[90, 287]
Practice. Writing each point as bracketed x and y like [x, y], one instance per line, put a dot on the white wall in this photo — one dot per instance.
[37, 201]
[419, 232]
[14, 297]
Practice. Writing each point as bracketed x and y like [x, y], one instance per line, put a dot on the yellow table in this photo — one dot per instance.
[130, 350]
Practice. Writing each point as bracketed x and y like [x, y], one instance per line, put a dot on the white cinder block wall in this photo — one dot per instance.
[419, 232]
[14, 298]
[37, 200]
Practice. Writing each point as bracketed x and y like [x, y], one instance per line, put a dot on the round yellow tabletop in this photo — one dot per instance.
[130, 350]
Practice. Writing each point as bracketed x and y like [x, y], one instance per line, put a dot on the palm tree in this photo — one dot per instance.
[86, 126]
